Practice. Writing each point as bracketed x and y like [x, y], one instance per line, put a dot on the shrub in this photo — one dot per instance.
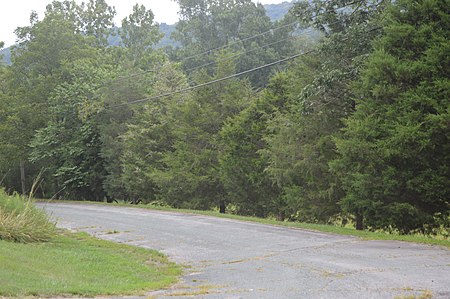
[21, 221]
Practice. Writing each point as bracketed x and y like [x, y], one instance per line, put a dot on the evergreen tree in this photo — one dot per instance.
[301, 145]
[248, 186]
[149, 136]
[192, 176]
[395, 151]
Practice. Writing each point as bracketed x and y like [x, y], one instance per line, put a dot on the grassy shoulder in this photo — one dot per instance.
[366, 235]
[77, 264]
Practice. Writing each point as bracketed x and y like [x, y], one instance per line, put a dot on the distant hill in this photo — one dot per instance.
[274, 11]
[277, 11]
[6, 53]
[166, 40]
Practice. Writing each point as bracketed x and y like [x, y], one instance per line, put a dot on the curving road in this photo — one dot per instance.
[235, 259]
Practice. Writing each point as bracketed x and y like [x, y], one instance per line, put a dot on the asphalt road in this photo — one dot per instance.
[235, 259]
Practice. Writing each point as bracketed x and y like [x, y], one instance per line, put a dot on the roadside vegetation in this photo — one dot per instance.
[38, 260]
[21, 222]
[337, 111]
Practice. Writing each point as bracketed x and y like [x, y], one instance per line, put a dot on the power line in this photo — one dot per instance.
[209, 63]
[239, 41]
[200, 54]
[237, 55]
[223, 46]
[213, 81]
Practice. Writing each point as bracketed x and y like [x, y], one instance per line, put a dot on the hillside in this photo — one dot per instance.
[277, 11]
[6, 55]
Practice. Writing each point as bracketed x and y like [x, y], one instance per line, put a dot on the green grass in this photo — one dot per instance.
[21, 221]
[77, 264]
[366, 235]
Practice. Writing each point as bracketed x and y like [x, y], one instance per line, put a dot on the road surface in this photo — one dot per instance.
[236, 259]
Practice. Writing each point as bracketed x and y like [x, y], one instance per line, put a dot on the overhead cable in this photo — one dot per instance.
[212, 82]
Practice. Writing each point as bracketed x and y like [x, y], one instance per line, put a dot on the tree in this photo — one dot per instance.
[96, 18]
[149, 137]
[248, 186]
[301, 144]
[69, 145]
[299, 148]
[139, 34]
[192, 176]
[36, 71]
[206, 26]
[394, 154]
[40, 87]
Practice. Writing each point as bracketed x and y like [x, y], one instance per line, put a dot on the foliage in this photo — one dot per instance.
[243, 165]
[150, 136]
[394, 154]
[355, 129]
[21, 221]
[206, 25]
[192, 176]
[139, 33]
[318, 94]
[70, 143]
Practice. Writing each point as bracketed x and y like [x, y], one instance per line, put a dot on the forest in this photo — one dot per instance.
[338, 112]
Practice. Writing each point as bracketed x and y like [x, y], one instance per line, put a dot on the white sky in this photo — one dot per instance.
[16, 13]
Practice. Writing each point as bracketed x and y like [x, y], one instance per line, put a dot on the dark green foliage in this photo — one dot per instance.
[300, 147]
[192, 176]
[318, 98]
[247, 186]
[113, 123]
[150, 136]
[354, 129]
[395, 152]
[70, 143]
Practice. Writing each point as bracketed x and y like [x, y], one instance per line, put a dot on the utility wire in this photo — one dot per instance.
[224, 78]
[208, 63]
[200, 54]
[221, 47]
[213, 81]
[237, 55]
[231, 76]
[239, 41]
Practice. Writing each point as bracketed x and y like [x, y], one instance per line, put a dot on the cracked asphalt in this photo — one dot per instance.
[235, 259]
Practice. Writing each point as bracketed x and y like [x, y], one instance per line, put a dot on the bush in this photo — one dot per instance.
[21, 221]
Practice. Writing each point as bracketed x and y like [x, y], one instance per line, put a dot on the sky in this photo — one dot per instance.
[16, 13]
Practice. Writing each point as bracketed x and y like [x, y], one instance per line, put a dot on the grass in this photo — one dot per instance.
[21, 222]
[77, 264]
[365, 235]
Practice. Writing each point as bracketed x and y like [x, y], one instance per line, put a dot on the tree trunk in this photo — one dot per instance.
[222, 207]
[22, 176]
[359, 221]
[280, 216]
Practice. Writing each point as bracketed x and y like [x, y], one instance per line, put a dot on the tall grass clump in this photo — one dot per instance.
[21, 221]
